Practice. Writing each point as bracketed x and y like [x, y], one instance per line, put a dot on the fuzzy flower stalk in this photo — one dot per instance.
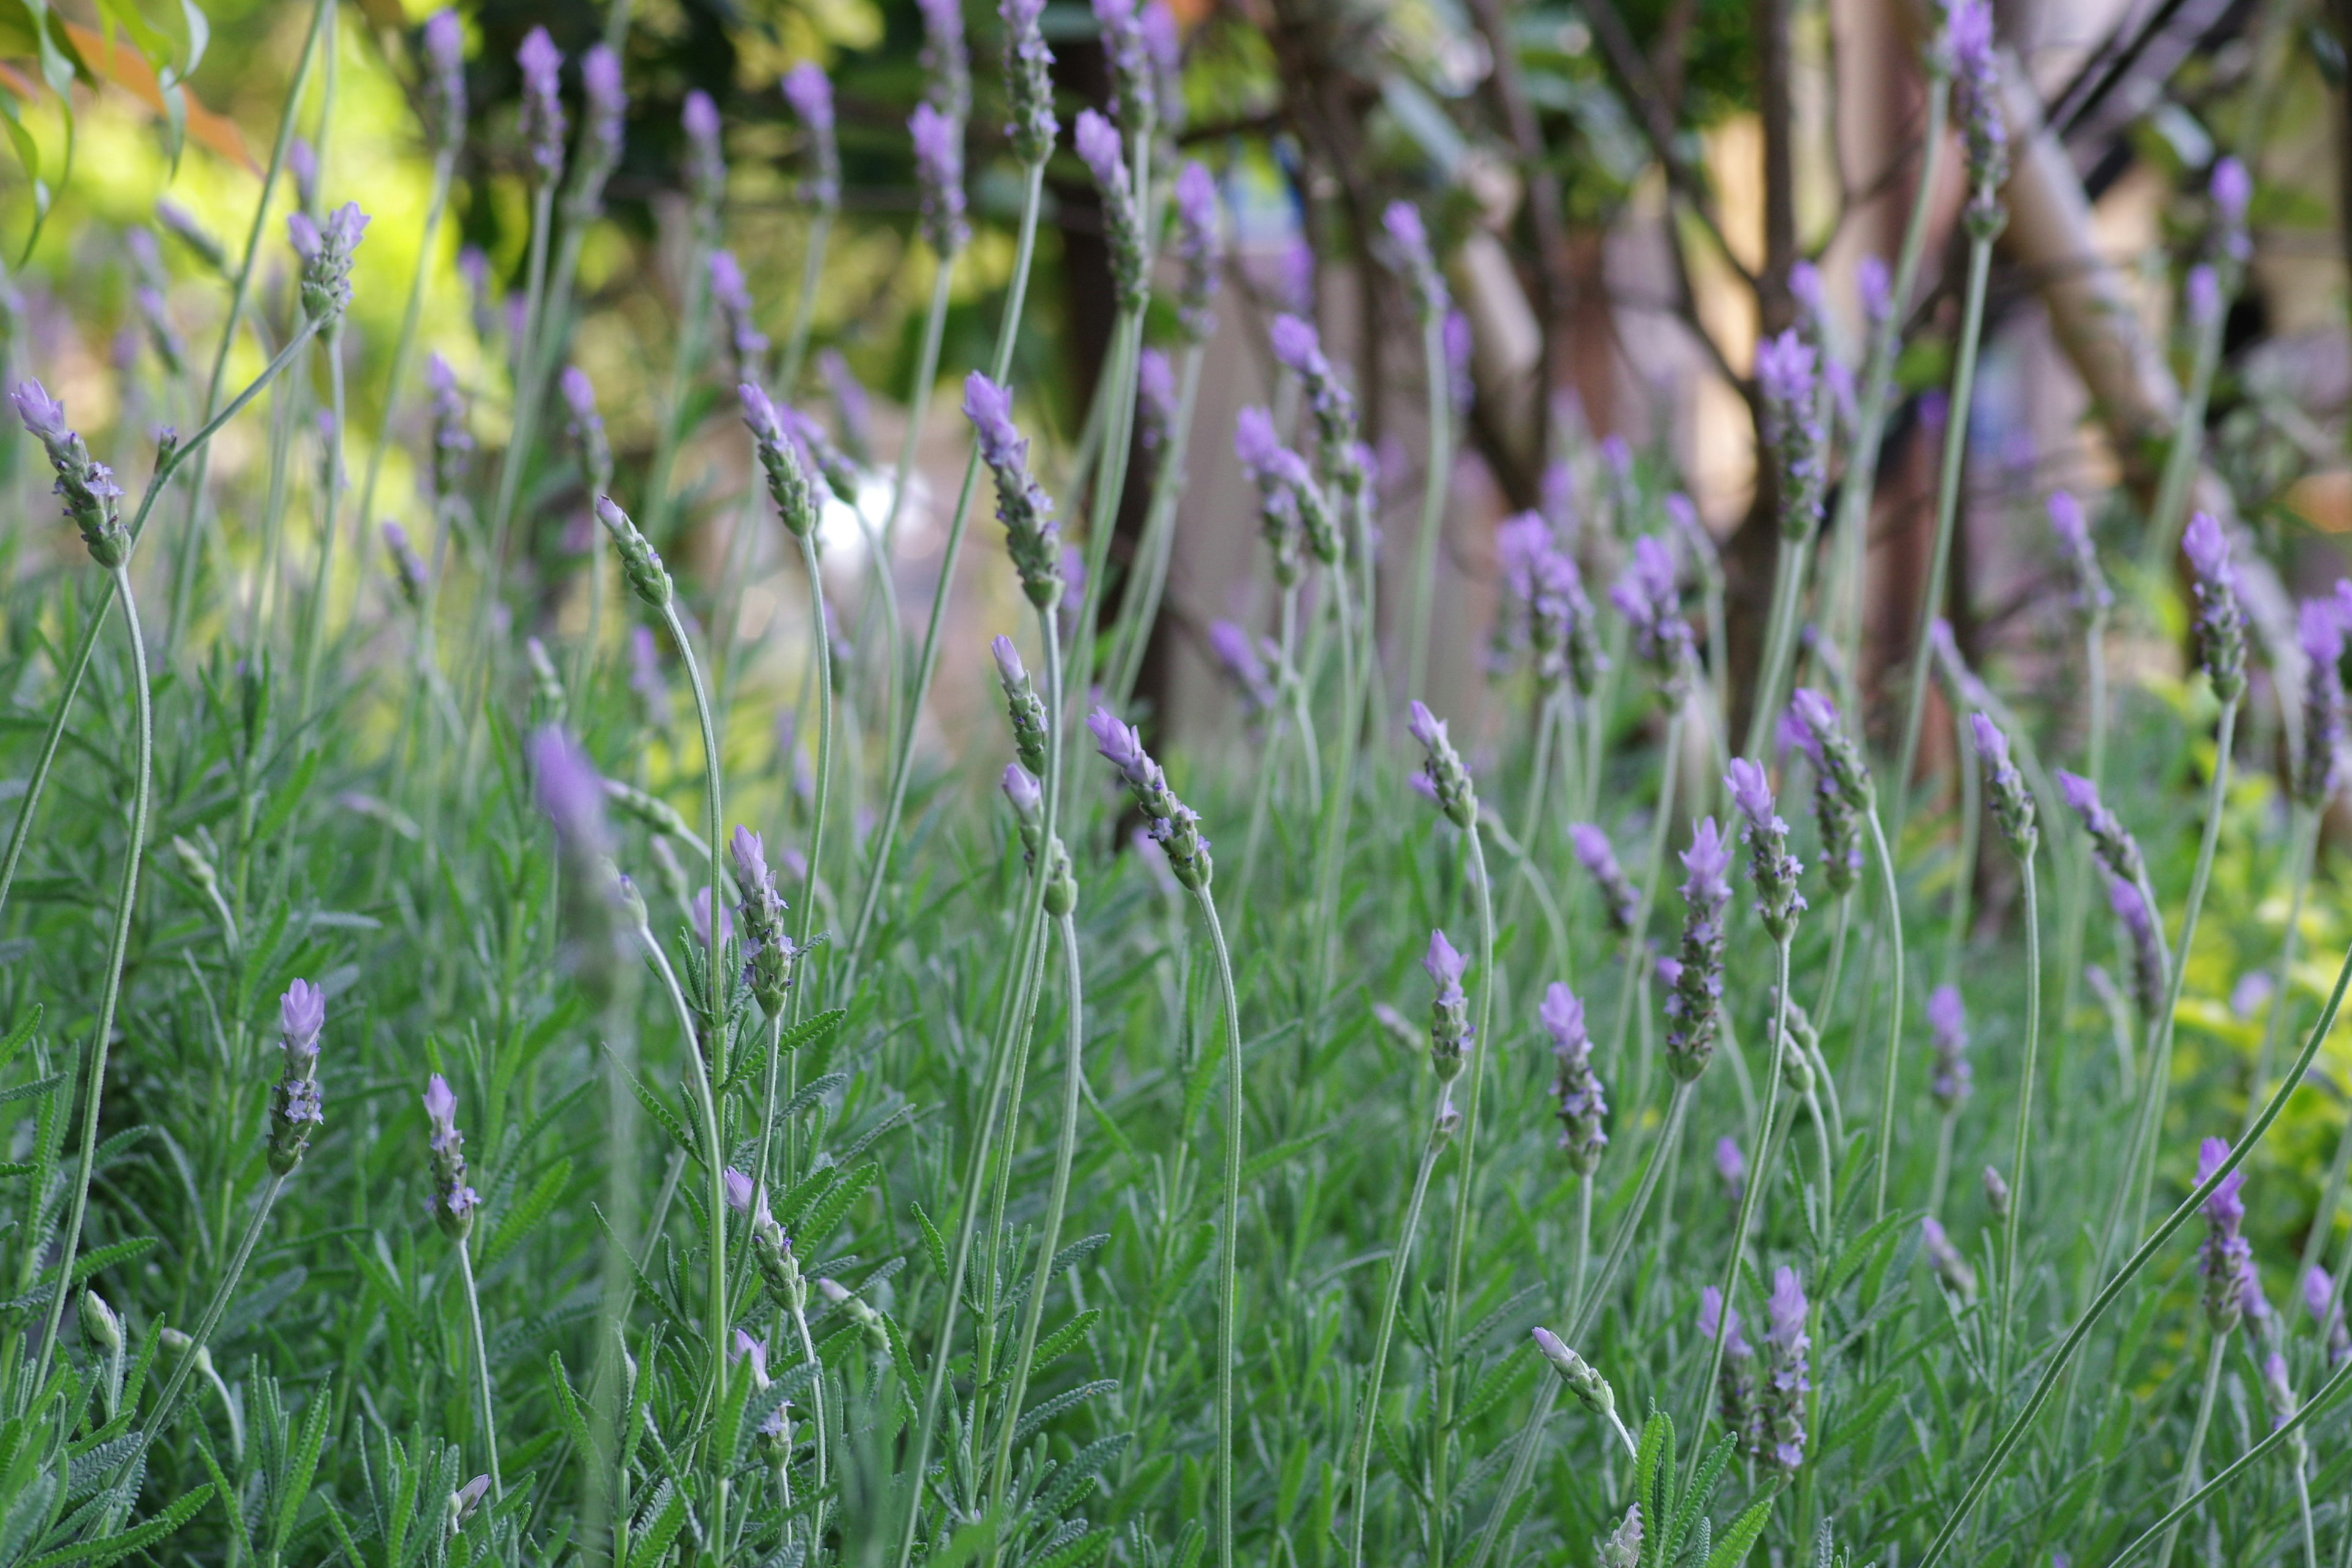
[1618, 898]
[810, 92]
[296, 1110]
[1028, 81]
[1769, 865]
[1105, 156]
[1843, 793]
[1649, 595]
[1443, 780]
[768, 953]
[938, 174]
[86, 485]
[2013, 810]
[1583, 1109]
[2319, 631]
[1031, 535]
[454, 1200]
[1200, 250]
[1024, 707]
[1694, 1003]
[1785, 369]
[1172, 825]
[2226, 1261]
[2220, 622]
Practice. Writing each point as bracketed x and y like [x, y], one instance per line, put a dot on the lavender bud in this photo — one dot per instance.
[1958, 1278]
[296, 1107]
[705, 153]
[639, 563]
[86, 485]
[453, 436]
[444, 73]
[2232, 191]
[1450, 1034]
[155, 315]
[946, 63]
[99, 1325]
[1200, 245]
[600, 138]
[1694, 1005]
[2147, 945]
[1736, 1384]
[1793, 430]
[1583, 1101]
[327, 256]
[2012, 804]
[1617, 895]
[1948, 1022]
[1155, 400]
[1442, 779]
[782, 459]
[1622, 1547]
[1650, 598]
[1769, 865]
[1246, 664]
[1731, 1168]
[1291, 509]
[1410, 256]
[2117, 850]
[1339, 453]
[1172, 825]
[1977, 77]
[1134, 95]
[2327, 1314]
[768, 954]
[2221, 625]
[1592, 1389]
[1787, 1376]
[1028, 81]
[2319, 628]
[585, 428]
[2091, 597]
[454, 1202]
[1031, 535]
[544, 123]
[1996, 1191]
[181, 224]
[2226, 1258]
[810, 92]
[1031, 723]
[1105, 156]
[938, 172]
[733, 297]
[1842, 793]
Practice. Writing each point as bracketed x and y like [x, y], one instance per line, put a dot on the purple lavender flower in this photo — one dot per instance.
[2327, 1314]
[1785, 370]
[1787, 1376]
[1842, 793]
[454, 1202]
[1200, 245]
[1031, 535]
[1947, 1021]
[783, 459]
[327, 256]
[2146, 944]
[1105, 156]
[2227, 1259]
[1291, 508]
[1950, 1267]
[2203, 292]
[296, 1110]
[946, 63]
[2117, 850]
[1599, 858]
[1026, 709]
[571, 793]
[2232, 191]
[1450, 1034]
[768, 954]
[1460, 344]
[2319, 628]
[1736, 1383]
[1021, 787]
[1876, 285]
[444, 73]
[2091, 597]
[544, 123]
[303, 163]
[699, 911]
[1996, 1192]
[1978, 76]
[733, 297]
[1583, 1100]
[1174, 826]
[1442, 779]
[2220, 624]
[599, 136]
[1243, 662]
[1694, 1005]
[87, 485]
[1163, 40]
[407, 566]
[647, 683]
[1731, 1167]
[1769, 865]
[1409, 254]
[1028, 81]
[2012, 803]
[585, 427]
[1337, 451]
[1134, 91]
[1649, 597]
[810, 92]
[938, 172]
[1155, 399]
[1622, 1548]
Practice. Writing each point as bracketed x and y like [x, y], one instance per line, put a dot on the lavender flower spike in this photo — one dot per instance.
[1105, 156]
[1977, 77]
[1785, 370]
[768, 954]
[1134, 92]
[1842, 793]
[543, 124]
[1583, 1100]
[1649, 597]
[1592, 1389]
[733, 297]
[1450, 1034]
[1996, 1194]
[1442, 779]
[1200, 249]
[810, 92]
[1173, 826]
[1947, 1022]
[1024, 706]
[2220, 624]
[1339, 453]
[327, 256]
[1736, 1383]
[454, 1202]
[1028, 81]
[2012, 804]
[1031, 535]
[2147, 945]
[296, 1108]
[1731, 1165]
[1769, 865]
[570, 792]
[2319, 1297]
[1950, 1267]
[2091, 597]
[600, 138]
[1408, 243]
[1694, 1007]
[2226, 1258]
[1787, 1376]
[2319, 628]
[782, 459]
[1599, 858]
[444, 73]
[938, 172]
[2117, 850]
[91, 496]
[946, 63]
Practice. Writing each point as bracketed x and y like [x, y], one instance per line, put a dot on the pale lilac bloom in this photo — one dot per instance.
[544, 123]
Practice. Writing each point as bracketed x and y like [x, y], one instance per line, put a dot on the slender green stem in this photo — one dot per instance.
[526, 397]
[1779, 638]
[1466, 1174]
[2193, 1466]
[101, 1035]
[1229, 1248]
[1368, 1411]
[2061, 1357]
[2302, 840]
[2022, 1146]
[482, 1367]
[1434, 487]
[1110, 489]
[1339, 794]
[1948, 505]
[1854, 495]
[903, 754]
[805, 312]
[1964, 859]
[2181, 454]
[818, 1419]
[1894, 1017]
[1139, 608]
[1630, 969]
[314, 627]
[1750, 1195]
[706, 1105]
[445, 163]
[713, 815]
[885, 555]
[823, 643]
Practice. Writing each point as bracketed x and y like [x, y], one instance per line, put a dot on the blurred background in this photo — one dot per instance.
[1621, 190]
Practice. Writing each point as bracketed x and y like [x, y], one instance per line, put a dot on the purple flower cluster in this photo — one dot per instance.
[1172, 825]
[2233, 192]
[1769, 865]
[1450, 1034]
[1621, 899]
[946, 61]
[1948, 1022]
[1410, 256]
[1028, 81]
[1547, 605]
[1787, 1378]
[600, 137]
[1155, 400]
[2091, 597]
[1736, 1390]
[2146, 944]
[2220, 624]
[1951, 1268]
[1443, 780]
[585, 428]
[1337, 452]
[1023, 705]
[1104, 153]
[733, 296]
[407, 566]
[1245, 662]
[453, 1201]
[444, 73]
[769, 955]
[1200, 245]
[1694, 1005]
[1031, 535]
[1134, 86]
[1842, 793]
[328, 253]
[2319, 630]
[296, 1110]
[1583, 1100]
[1978, 76]
[91, 496]
[1731, 1169]
[2117, 850]
[2012, 804]
[2327, 1314]
[939, 173]
[1649, 595]
[782, 459]
[544, 123]
[810, 92]
[1793, 430]
[2226, 1258]
[1291, 507]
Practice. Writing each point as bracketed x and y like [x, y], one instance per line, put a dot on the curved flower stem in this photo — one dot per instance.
[788, 376]
[1629, 980]
[2140, 1169]
[1465, 1177]
[1228, 1262]
[2194, 1466]
[1368, 1412]
[1435, 483]
[1894, 1017]
[2061, 1357]
[1056, 1202]
[1139, 608]
[126, 899]
[1829, 992]
[903, 752]
[1854, 494]
[2021, 1148]
[2303, 839]
[1750, 1195]
[481, 1366]
[1947, 506]
[823, 643]
[1587, 1308]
